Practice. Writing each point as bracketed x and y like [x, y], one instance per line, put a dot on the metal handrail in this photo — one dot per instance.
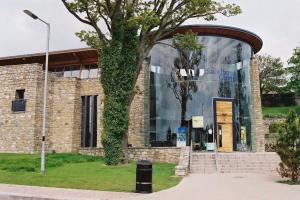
[190, 156]
[216, 158]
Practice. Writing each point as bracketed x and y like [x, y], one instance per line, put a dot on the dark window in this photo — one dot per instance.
[19, 103]
[20, 94]
[88, 121]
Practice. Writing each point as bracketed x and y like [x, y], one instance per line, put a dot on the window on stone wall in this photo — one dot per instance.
[89, 121]
[18, 104]
[82, 72]
[20, 94]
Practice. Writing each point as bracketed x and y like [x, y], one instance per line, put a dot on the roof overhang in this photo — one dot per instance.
[86, 56]
[225, 31]
[72, 57]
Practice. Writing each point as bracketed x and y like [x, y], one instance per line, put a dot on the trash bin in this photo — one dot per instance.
[144, 176]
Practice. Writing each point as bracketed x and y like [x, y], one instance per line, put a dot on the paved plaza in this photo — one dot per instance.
[194, 186]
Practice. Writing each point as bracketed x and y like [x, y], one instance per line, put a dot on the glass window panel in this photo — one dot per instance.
[93, 73]
[85, 72]
[179, 91]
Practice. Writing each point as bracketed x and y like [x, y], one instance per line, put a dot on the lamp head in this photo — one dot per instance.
[30, 14]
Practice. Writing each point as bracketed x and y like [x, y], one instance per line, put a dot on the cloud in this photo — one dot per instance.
[275, 21]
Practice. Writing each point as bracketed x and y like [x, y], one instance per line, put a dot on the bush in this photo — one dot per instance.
[288, 148]
[277, 127]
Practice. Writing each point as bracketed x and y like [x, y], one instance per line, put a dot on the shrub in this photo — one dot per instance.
[276, 127]
[288, 148]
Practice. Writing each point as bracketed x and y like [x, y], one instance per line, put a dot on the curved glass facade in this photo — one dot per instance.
[184, 89]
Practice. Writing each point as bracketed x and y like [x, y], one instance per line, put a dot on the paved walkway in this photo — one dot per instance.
[228, 187]
[18, 192]
[193, 187]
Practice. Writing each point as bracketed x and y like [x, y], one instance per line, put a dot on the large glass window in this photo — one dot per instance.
[183, 85]
[89, 121]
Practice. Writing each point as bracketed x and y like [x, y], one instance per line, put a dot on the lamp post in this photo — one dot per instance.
[43, 160]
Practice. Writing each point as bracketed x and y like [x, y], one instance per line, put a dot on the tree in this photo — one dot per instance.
[271, 74]
[124, 32]
[189, 52]
[294, 71]
[288, 148]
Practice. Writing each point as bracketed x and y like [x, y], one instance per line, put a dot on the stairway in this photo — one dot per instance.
[262, 163]
[236, 162]
[203, 163]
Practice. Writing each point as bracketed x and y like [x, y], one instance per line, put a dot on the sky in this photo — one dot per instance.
[277, 22]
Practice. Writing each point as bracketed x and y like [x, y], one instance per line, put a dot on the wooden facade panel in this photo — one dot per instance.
[224, 108]
[224, 125]
[224, 119]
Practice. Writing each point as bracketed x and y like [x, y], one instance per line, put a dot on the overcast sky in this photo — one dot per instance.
[277, 22]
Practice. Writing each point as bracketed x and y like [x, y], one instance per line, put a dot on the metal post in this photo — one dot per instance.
[43, 160]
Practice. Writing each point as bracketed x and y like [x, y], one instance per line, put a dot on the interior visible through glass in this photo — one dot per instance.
[184, 84]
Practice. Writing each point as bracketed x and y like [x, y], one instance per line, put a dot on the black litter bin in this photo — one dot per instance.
[144, 176]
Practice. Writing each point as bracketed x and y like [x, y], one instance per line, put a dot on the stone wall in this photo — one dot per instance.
[92, 151]
[65, 127]
[92, 86]
[155, 154]
[18, 131]
[257, 126]
[21, 131]
[136, 136]
[65, 104]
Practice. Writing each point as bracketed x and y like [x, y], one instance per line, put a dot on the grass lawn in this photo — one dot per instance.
[279, 111]
[78, 171]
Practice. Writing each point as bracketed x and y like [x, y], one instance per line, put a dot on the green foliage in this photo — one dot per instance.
[118, 71]
[294, 71]
[188, 41]
[279, 112]
[124, 33]
[271, 74]
[277, 127]
[83, 172]
[90, 38]
[288, 148]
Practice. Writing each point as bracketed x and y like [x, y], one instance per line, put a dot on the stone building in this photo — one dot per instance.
[209, 99]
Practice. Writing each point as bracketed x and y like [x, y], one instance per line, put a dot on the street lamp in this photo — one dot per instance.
[43, 161]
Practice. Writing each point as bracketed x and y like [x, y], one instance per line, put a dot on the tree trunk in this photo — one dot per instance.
[183, 111]
[125, 148]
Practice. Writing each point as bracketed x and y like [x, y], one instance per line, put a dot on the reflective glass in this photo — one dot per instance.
[183, 85]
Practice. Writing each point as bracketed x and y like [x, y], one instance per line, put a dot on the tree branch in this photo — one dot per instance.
[75, 14]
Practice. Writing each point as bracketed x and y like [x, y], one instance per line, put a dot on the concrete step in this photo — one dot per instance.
[236, 162]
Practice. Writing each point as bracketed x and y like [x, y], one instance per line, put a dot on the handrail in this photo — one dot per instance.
[216, 158]
[190, 155]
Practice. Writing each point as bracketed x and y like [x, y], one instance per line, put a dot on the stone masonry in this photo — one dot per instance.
[257, 126]
[18, 130]
[21, 131]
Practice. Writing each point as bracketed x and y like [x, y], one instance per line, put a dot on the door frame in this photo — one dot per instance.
[215, 128]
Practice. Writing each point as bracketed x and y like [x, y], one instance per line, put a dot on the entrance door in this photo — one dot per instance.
[223, 124]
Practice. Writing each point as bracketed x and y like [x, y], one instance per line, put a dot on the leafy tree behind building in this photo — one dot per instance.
[294, 71]
[271, 74]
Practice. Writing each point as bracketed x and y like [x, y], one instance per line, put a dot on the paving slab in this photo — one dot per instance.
[195, 186]
[21, 192]
[227, 187]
